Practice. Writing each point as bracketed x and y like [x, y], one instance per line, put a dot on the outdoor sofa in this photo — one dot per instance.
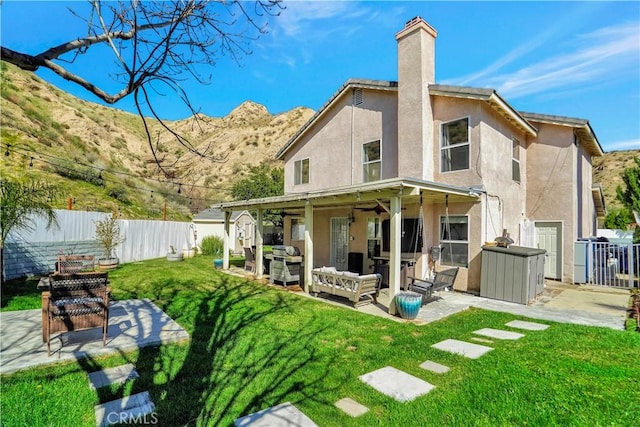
[359, 289]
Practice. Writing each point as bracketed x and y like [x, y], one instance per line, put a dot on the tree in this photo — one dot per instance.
[20, 202]
[263, 181]
[630, 195]
[154, 46]
[618, 219]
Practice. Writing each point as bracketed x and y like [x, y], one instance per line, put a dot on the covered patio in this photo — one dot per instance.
[388, 197]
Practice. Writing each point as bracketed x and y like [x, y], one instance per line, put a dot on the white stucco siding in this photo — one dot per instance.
[552, 184]
[333, 144]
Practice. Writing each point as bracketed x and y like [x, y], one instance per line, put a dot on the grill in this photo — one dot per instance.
[286, 266]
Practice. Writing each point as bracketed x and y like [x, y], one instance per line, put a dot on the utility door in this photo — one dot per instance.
[339, 243]
[549, 238]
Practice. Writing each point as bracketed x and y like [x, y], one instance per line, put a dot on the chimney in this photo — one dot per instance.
[416, 69]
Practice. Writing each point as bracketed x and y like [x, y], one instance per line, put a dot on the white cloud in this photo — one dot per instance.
[603, 54]
[303, 26]
[622, 145]
[594, 58]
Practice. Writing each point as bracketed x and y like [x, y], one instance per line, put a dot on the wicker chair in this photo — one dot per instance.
[75, 302]
[69, 264]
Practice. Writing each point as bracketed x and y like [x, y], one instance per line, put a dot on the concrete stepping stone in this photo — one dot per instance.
[282, 415]
[498, 334]
[351, 407]
[396, 384]
[137, 408]
[117, 375]
[434, 367]
[529, 326]
[462, 348]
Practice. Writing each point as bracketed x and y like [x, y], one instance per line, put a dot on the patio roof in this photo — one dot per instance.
[412, 188]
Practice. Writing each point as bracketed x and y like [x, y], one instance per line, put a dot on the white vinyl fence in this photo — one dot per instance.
[34, 251]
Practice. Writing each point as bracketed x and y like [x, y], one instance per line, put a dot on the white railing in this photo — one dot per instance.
[612, 264]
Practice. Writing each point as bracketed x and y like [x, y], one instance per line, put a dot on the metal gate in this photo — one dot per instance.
[607, 264]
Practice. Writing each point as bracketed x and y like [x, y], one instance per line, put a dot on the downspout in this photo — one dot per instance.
[353, 96]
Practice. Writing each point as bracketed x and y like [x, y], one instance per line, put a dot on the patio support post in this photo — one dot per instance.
[394, 255]
[259, 243]
[225, 250]
[308, 244]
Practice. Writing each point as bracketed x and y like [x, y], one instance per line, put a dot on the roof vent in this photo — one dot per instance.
[358, 98]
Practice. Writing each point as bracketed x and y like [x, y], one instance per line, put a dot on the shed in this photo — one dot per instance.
[514, 274]
[242, 227]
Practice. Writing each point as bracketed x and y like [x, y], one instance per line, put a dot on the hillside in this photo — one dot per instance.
[100, 157]
[607, 171]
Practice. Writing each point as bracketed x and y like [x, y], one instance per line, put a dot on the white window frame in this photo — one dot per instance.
[444, 243]
[298, 168]
[365, 164]
[515, 160]
[467, 143]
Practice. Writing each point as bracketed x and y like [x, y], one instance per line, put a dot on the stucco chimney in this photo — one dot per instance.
[416, 69]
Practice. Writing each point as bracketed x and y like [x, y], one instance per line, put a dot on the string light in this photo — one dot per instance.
[65, 162]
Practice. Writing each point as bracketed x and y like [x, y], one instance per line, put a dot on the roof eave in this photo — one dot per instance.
[492, 98]
[349, 84]
[360, 193]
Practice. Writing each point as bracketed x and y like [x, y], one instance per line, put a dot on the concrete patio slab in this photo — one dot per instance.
[132, 324]
[283, 415]
[434, 367]
[528, 326]
[463, 348]
[137, 408]
[351, 407]
[396, 384]
[116, 375]
[499, 334]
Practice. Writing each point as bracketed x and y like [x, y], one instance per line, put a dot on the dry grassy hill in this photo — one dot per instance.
[75, 143]
[607, 171]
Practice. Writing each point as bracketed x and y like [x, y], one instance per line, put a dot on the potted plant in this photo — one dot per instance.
[109, 236]
[172, 255]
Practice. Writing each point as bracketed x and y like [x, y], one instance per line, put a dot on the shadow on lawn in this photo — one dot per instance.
[242, 357]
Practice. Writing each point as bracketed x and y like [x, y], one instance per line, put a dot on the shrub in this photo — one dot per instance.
[212, 245]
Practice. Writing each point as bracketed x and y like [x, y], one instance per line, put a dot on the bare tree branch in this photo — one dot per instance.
[156, 42]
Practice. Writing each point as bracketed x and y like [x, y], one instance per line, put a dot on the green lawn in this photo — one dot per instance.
[254, 346]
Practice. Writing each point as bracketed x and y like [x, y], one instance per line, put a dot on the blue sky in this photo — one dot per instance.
[576, 59]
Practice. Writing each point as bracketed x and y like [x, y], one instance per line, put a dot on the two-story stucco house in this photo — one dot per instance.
[385, 171]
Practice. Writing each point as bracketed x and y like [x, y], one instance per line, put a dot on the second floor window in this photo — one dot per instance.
[371, 161]
[515, 161]
[454, 149]
[301, 172]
